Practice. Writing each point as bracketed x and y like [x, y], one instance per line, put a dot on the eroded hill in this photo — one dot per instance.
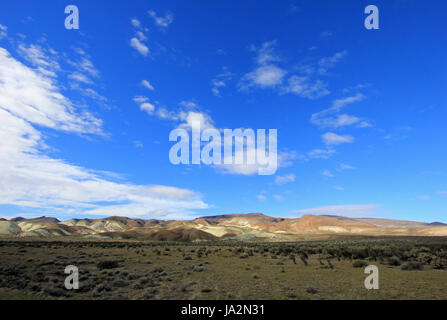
[254, 226]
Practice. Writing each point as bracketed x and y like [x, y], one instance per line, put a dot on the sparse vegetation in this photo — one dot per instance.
[215, 270]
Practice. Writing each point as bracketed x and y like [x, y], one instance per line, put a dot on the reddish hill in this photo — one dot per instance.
[313, 223]
[241, 227]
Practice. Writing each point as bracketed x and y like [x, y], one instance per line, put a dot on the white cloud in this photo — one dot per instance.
[331, 138]
[329, 62]
[3, 31]
[138, 42]
[79, 77]
[286, 158]
[330, 118]
[140, 99]
[264, 77]
[338, 121]
[343, 166]
[442, 192]
[138, 144]
[93, 95]
[261, 197]
[269, 74]
[139, 46]
[339, 188]
[141, 36]
[326, 173]
[190, 104]
[320, 153]
[172, 192]
[356, 87]
[266, 53]
[190, 117]
[340, 103]
[278, 197]
[423, 197]
[135, 22]
[160, 21]
[353, 211]
[266, 74]
[36, 55]
[144, 104]
[285, 179]
[84, 69]
[306, 88]
[186, 118]
[34, 97]
[86, 65]
[163, 113]
[30, 99]
[148, 107]
[147, 85]
[220, 81]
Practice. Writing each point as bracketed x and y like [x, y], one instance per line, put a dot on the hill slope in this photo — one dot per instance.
[253, 226]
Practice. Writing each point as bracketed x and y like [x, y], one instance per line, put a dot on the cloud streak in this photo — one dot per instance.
[353, 211]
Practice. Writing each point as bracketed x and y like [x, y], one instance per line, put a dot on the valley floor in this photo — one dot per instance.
[135, 270]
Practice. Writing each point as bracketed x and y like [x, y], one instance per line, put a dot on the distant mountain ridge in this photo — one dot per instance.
[242, 227]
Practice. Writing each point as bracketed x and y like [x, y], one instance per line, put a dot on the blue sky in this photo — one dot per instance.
[360, 113]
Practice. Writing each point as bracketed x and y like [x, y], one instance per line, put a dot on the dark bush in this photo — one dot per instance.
[108, 264]
[311, 290]
[394, 261]
[359, 264]
[412, 265]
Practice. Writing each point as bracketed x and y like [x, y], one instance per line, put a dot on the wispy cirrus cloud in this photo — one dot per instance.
[280, 180]
[327, 174]
[344, 166]
[220, 81]
[320, 153]
[39, 57]
[329, 62]
[3, 31]
[331, 138]
[331, 117]
[353, 211]
[305, 81]
[306, 88]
